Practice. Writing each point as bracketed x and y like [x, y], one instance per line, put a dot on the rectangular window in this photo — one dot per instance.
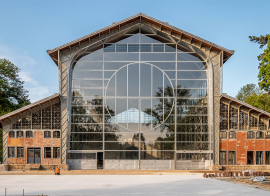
[250, 157]
[29, 134]
[11, 152]
[56, 134]
[267, 135]
[47, 134]
[231, 158]
[232, 135]
[20, 152]
[267, 157]
[250, 135]
[259, 157]
[47, 152]
[222, 157]
[56, 152]
[19, 134]
[259, 135]
[223, 135]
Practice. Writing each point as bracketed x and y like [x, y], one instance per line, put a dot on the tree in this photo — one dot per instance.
[264, 58]
[247, 91]
[12, 93]
[252, 95]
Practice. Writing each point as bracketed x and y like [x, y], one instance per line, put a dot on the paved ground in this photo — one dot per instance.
[122, 185]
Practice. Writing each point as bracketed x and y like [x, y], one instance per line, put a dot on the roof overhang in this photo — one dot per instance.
[15, 112]
[238, 102]
[163, 25]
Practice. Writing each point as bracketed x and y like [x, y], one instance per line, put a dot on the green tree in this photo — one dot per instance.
[252, 95]
[247, 91]
[12, 93]
[264, 58]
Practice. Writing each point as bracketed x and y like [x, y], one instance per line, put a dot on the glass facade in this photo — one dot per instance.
[140, 96]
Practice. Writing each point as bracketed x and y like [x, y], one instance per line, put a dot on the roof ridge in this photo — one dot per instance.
[132, 17]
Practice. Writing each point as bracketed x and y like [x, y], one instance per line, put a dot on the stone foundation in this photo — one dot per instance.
[23, 167]
[246, 167]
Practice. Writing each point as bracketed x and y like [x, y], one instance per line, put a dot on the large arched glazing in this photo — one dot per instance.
[141, 95]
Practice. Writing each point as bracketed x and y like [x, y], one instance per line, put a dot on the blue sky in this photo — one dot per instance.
[30, 27]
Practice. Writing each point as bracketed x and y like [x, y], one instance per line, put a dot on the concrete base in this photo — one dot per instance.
[4, 167]
[215, 167]
[246, 167]
[23, 167]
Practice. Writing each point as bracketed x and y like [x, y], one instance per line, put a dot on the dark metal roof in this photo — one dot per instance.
[147, 18]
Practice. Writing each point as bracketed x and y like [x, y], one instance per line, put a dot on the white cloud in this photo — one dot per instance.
[28, 71]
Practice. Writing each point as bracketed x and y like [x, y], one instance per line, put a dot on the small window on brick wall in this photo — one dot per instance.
[232, 135]
[250, 135]
[56, 152]
[267, 135]
[11, 134]
[259, 157]
[47, 134]
[259, 135]
[47, 152]
[231, 158]
[20, 153]
[223, 135]
[56, 134]
[222, 157]
[19, 134]
[11, 152]
[29, 134]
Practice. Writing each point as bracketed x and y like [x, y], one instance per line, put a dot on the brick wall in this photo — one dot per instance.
[241, 145]
[38, 141]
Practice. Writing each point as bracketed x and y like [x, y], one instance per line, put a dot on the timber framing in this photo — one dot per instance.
[163, 26]
[28, 107]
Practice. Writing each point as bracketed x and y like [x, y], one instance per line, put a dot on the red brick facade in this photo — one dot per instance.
[38, 141]
[241, 145]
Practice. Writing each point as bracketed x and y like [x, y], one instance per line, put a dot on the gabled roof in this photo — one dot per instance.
[163, 25]
[232, 99]
[15, 112]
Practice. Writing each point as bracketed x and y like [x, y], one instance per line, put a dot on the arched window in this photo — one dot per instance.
[11, 134]
[259, 135]
[56, 134]
[47, 134]
[19, 134]
[232, 135]
[29, 134]
[250, 135]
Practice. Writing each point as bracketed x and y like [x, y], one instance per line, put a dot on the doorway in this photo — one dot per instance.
[250, 157]
[33, 156]
[99, 160]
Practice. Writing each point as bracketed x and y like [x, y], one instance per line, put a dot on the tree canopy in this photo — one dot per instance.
[264, 58]
[12, 93]
[252, 95]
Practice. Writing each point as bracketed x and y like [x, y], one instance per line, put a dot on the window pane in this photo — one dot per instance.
[121, 155]
[47, 152]
[85, 145]
[157, 155]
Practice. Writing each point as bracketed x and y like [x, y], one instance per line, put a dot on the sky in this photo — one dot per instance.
[30, 27]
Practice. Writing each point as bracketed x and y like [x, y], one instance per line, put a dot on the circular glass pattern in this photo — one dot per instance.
[139, 97]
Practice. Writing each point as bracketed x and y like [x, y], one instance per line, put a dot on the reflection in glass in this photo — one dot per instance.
[140, 94]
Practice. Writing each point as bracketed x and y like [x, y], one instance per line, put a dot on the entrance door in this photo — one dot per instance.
[250, 157]
[33, 156]
[100, 160]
